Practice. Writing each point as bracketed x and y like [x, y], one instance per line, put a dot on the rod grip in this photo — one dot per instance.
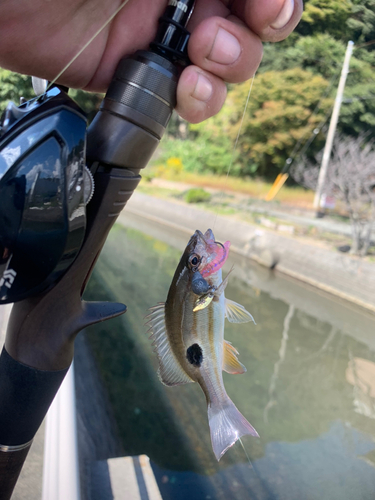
[11, 462]
[25, 396]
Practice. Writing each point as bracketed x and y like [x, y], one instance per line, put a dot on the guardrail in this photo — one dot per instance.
[60, 465]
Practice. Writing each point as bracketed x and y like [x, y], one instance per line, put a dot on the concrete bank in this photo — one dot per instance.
[343, 275]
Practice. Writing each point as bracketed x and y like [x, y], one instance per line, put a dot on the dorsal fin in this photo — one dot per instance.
[170, 371]
[230, 362]
[235, 313]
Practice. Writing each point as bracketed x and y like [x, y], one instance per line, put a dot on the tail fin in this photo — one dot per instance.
[227, 425]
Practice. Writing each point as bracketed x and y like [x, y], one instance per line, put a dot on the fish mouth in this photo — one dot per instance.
[213, 254]
[203, 243]
[207, 238]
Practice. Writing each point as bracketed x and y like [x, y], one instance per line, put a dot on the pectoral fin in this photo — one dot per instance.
[170, 371]
[230, 362]
[235, 313]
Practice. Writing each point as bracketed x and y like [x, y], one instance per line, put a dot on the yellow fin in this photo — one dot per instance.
[230, 361]
[170, 371]
[235, 313]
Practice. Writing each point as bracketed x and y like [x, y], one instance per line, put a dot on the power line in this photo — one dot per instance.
[366, 44]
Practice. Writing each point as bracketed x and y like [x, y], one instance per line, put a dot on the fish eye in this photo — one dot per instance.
[194, 260]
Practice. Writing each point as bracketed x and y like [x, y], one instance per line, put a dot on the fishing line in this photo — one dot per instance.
[89, 42]
[314, 134]
[236, 143]
[93, 38]
[247, 456]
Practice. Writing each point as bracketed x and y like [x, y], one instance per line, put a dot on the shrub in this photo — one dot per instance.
[197, 195]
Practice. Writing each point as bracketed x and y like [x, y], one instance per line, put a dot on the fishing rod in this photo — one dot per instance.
[61, 190]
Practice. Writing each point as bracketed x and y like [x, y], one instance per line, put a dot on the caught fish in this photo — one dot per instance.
[188, 335]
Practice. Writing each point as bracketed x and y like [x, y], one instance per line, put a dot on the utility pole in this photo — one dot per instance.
[332, 128]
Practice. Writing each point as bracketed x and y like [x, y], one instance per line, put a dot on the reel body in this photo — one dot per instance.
[42, 211]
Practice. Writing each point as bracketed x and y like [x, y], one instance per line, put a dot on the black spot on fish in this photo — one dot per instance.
[194, 355]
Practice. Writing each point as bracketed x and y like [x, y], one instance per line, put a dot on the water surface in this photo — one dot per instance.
[309, 389]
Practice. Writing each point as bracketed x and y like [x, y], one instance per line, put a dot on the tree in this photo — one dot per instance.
[12, 87]
[325, 16]
[350, 178]
[280, 113]
[322, 54]
[361, 22]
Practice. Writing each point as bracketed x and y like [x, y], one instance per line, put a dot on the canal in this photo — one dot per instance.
[309, 389]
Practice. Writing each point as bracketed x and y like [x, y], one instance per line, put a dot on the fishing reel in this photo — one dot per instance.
[45, 184]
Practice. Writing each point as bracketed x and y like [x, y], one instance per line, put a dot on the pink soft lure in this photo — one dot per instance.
[220, 255]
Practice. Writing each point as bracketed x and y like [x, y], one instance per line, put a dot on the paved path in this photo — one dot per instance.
[298, 216]
[346, 276]
[307, 219]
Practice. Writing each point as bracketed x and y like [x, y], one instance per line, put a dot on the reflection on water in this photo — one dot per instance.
[361, 374]
[284, 339]
[310, 373]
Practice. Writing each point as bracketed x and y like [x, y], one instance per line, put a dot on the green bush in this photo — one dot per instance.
[197, 195]
[199, 155]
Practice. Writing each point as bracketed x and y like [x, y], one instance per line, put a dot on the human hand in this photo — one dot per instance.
[39, 38]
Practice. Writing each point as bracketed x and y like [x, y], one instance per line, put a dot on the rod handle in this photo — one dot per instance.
[11, 462]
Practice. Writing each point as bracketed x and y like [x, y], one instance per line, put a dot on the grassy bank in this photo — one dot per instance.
[255, 188]
[231, 198]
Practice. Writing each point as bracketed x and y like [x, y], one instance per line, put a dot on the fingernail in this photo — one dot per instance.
[285, 14]
[203, 89]
[226, 48]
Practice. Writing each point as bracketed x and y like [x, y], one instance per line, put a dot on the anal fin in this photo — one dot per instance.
[230, 362]
[170, 371]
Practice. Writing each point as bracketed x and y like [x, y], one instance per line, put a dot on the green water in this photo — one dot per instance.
[304, 391]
